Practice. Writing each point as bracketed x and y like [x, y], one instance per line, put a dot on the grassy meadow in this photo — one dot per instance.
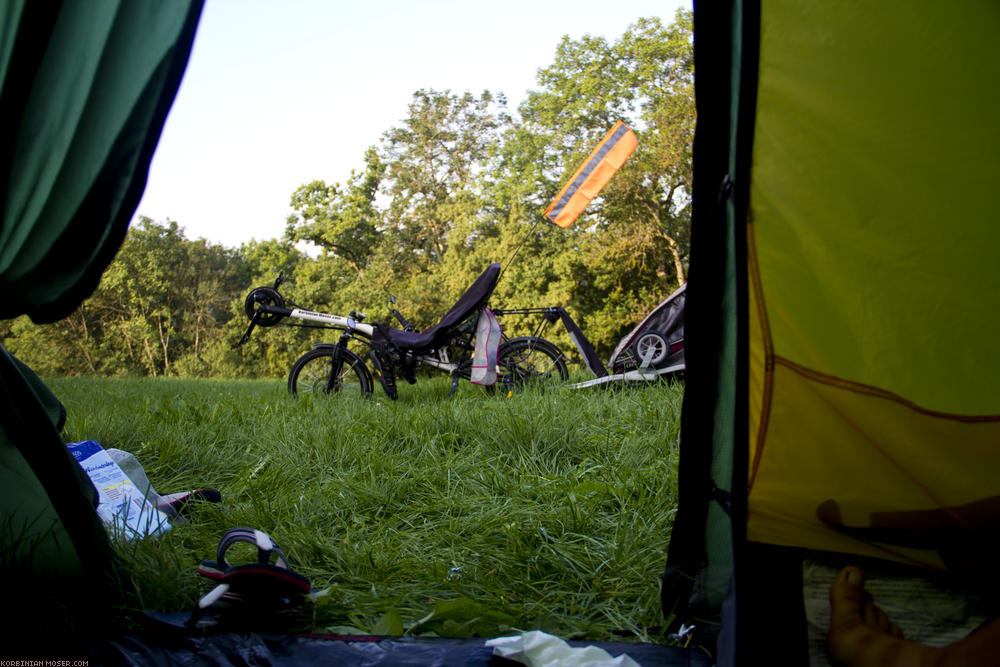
[472, 515]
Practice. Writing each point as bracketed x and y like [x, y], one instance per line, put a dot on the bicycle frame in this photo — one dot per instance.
[333, 321]
[394, 351]
[356, 330]
[550, 315]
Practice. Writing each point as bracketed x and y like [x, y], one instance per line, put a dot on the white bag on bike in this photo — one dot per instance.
[484, 360]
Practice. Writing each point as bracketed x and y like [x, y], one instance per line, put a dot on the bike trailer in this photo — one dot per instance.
[657, 342]
[653, 349]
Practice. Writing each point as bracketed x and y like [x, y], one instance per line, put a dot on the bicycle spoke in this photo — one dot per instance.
[529, 360]
[314, 376]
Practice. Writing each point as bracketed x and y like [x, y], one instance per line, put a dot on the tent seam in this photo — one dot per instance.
[765, 332]
[869, 390]
[893, 461]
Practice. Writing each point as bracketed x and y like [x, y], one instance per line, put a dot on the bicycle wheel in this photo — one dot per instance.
[528, 360]
[311, 373]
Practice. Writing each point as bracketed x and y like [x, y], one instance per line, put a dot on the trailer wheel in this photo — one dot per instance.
[650, 349]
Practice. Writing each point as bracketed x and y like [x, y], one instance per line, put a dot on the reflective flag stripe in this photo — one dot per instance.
[593, 175]
[584, 172]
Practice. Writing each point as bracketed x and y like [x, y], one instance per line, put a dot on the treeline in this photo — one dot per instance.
[461, 182]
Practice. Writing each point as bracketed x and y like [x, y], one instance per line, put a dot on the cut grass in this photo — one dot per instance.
[474, 515]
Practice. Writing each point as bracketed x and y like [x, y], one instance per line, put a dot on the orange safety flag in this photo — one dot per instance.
[592, 175]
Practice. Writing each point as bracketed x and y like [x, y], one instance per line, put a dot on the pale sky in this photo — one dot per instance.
[281, 93]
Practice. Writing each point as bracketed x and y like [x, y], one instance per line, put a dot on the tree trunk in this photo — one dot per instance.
[678, 266]
[83, 343]
[149, 355]
[164, 341]
[127, 338]
[674, 250]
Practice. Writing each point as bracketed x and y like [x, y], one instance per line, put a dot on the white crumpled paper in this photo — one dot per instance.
[539, 649]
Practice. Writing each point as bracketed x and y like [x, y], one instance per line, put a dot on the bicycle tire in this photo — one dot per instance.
[529, 360]
[311, 372]
[651, 343]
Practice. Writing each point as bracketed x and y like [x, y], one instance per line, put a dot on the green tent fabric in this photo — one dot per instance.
[84, 92]
[842, 300]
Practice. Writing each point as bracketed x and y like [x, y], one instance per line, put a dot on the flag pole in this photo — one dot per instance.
[517, 249]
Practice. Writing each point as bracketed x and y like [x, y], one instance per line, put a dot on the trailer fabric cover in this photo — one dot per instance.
[843, 166]
[667, 319]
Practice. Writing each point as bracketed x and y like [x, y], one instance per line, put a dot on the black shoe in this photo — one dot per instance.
[385, 372]
[408, 369]
[177, 503]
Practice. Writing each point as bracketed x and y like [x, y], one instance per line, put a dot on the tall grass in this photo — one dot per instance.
[476, 514]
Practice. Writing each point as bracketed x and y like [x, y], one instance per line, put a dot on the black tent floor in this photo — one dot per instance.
[283, 649]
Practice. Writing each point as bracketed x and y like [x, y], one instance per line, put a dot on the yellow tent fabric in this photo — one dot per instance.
[873, 272]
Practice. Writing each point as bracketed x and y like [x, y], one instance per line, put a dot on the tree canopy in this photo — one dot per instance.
[460, 182]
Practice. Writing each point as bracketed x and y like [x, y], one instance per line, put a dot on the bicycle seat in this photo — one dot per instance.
[429, 339]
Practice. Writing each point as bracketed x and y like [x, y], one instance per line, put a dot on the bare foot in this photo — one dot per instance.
[861, 635]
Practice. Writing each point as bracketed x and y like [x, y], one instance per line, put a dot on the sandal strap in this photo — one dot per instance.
[265, 546]
[255, 587]
[204, 602]
[261, 577]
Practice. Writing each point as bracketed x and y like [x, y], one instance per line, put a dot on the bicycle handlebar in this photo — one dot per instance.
[402, 320]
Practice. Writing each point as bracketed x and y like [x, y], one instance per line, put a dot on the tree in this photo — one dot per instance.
[138, 299]
[161, 309]
[457, 185]
[433, 161]
[343, 223]
[270, 351]
[652, 197]
[66, 347]
[629, 248]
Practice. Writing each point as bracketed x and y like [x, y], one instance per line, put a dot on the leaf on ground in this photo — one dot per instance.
[389, 624]
[463, 617]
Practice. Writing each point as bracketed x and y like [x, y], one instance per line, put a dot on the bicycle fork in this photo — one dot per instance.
[336, 365]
